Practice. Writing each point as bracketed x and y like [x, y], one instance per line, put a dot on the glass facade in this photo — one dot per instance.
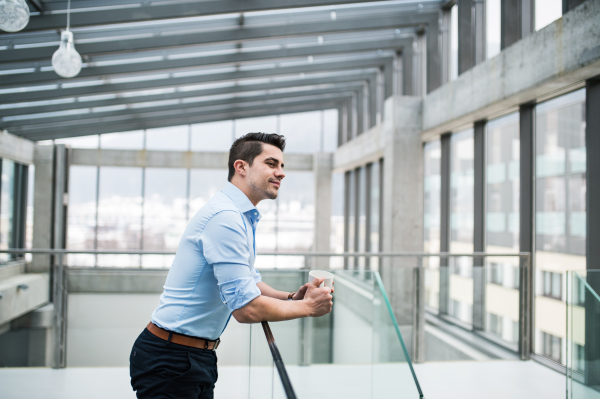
[431, 220]
[6, 206]
[560, 192]
[461, 225]
[502, 181]
[148, 208]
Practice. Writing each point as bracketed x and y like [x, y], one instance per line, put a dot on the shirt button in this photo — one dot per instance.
[256, 213]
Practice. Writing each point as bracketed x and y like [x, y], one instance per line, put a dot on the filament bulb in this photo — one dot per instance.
[66, 60]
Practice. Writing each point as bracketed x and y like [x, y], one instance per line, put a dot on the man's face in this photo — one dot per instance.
[266, 173]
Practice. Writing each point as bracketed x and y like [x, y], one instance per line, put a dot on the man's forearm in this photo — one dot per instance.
[264, 308]
[269, 291]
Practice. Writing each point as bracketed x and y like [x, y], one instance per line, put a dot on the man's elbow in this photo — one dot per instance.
[246, 315]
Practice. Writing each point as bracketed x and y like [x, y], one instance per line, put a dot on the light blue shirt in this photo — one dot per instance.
[213, 272]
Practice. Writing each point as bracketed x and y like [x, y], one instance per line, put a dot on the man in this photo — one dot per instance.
[213, 277]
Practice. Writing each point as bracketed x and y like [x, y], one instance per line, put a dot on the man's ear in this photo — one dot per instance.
[241, 167]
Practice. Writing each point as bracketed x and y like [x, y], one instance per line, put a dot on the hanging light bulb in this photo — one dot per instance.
[14, 15]
[66, 60]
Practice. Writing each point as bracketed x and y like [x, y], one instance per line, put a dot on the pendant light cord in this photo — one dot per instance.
[68, 15]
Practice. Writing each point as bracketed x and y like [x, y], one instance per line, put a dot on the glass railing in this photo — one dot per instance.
[583, 335]
[356, 351]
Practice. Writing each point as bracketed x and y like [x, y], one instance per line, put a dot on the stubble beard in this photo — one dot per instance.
[264, 190]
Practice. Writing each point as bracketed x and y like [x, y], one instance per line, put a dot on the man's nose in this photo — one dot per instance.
[279, 173]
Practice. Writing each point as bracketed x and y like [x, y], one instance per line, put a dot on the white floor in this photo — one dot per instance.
[439, 380]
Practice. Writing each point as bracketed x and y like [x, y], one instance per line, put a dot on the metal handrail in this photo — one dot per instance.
[306, 253]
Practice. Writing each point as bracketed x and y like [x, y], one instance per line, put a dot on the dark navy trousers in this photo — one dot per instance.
[161, 370]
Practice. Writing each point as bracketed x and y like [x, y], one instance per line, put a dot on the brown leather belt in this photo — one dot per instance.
[182, 339]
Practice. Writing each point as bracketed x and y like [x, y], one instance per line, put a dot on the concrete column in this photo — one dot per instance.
[479, 275]
[517, 20]
[434, 61]
[445, 45]
[323, 163]
[526, 229]
[402, 204]
[407, 70]
[419, 65]
[43, 200]
[471, 34]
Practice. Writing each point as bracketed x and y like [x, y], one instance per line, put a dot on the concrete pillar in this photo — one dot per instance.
[471, 34]
[323, 163]
[402, 204]
[479, 275]
[445, 45]
[434, 61]
[49, 203]
[419, 72]
[517, 20]
[407, 71]
[43, 199]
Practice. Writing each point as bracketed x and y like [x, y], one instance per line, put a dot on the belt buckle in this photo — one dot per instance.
[217, 342]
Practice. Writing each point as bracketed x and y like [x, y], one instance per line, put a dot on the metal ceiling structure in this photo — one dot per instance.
[174, 62]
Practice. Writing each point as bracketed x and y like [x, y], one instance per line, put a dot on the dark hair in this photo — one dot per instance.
[250, 146]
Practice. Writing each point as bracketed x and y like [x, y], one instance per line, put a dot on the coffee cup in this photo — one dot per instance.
[328, 282]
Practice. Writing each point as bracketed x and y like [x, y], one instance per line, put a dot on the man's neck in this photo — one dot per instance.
[240, 184]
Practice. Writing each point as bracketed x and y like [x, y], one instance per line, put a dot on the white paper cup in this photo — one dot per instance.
[321, 274]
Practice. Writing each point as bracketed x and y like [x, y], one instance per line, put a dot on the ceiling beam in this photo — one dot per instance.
[191, 117]
[168, 81]
[37, 4]
[143, 11]
[178, 104]
[348, 79]
[117, 44]
[95, 71]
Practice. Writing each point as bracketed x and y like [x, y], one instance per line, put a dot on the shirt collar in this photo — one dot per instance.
[241, 200]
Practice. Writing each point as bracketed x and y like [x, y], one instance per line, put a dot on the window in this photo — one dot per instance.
[551, 346]
[552, 285]
[496, 324]
[496, 274]
[7, 187]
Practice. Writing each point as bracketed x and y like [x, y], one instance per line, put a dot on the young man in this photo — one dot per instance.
[213, 277]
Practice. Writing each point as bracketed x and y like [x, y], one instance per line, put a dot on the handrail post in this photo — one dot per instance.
[525, 306]
[59, 325]
[418, 336]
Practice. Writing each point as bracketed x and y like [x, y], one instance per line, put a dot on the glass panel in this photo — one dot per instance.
[350, 217]
[30, 195]
[263, 124]
[546, 12]
[213, 136]
[502, 299]
[6, 206]
[80, 142]
[431, 238]
[119, 214]
[295, 216]
[560, 213]
[375, 216]
[454, 42]
[325, 347]
[164, 214]
[81, 231]
[461, 225]
[204, 184]
[362, 215]
[302, 131]
[174, 138]
[330, 130]
[123, 141]
[502, 227]
[337, 219]
[583, 335]
[492, 29]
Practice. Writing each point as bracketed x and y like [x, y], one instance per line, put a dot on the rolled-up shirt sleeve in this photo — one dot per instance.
[225, 246]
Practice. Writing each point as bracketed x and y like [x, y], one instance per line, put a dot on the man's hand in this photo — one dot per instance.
[318, 299]
[298, 296]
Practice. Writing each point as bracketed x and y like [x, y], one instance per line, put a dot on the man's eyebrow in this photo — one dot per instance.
[273, 160]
